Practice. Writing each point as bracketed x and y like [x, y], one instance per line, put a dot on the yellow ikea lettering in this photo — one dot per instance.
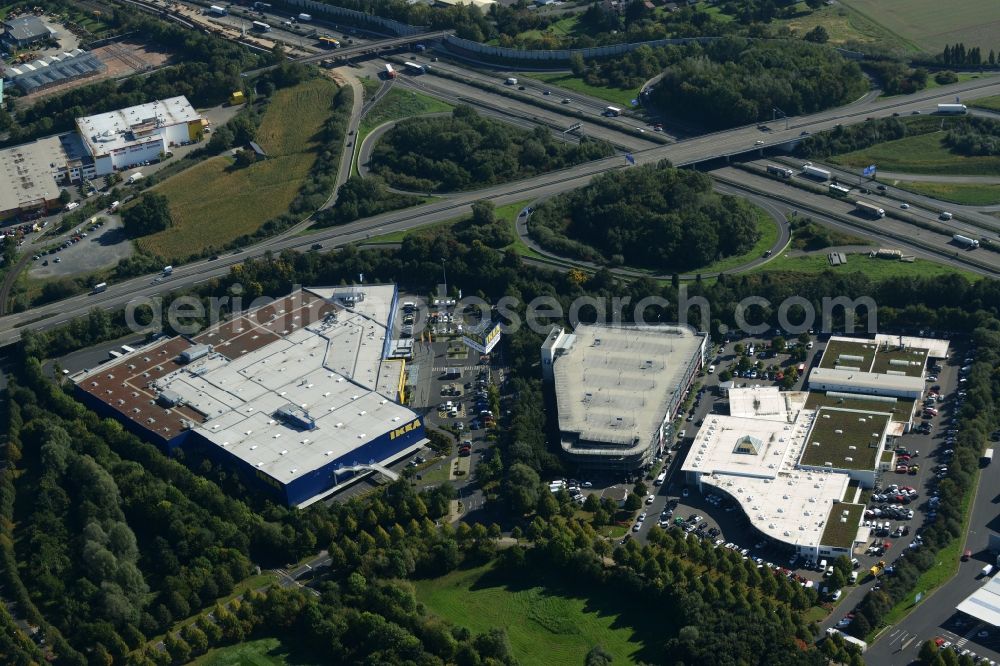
[398, 432]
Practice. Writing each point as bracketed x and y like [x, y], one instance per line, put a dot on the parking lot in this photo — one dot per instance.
[96, 246]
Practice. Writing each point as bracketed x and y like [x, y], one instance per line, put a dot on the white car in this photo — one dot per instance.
[650, 499]
[904, 206]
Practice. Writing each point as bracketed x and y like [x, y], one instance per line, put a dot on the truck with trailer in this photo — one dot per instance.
[390, 73]
[952, 109]
[838, 190]
[612, 112]
[775, 170]
[217, 10]
[134, 177]
[987, 458]
[965, 241]
[869, 210]
[815, 172]
[414, 67]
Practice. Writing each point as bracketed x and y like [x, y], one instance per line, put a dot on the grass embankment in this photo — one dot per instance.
[396, 105]
[989, 103]
[259, 652]
[767, 227]
[569, 81]
[876, 269]
[547, 626]
[945, 566]
[214, 202]
[968, 194]
[508, 212]
[842, 24]
[923, 154]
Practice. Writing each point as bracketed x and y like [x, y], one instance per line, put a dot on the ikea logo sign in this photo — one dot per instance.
[399, 432]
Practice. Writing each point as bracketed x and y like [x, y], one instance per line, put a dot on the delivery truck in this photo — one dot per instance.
[952, 109]
[815, 172]
[612, 112]
[305, 18]
[134, 177]
[869, 210]
[987, 458]
[217, 10]
[965, 241]
[775, 170]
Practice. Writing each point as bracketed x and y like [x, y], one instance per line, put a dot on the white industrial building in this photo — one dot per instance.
[299, 397]
[984, 603]
[121, 139]
[618, 388]
[889, 365]
[753, 456]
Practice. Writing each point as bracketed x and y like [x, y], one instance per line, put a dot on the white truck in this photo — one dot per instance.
[952, 109]
[217, 10]
[305, 18]
[99, 287]
[869, 210]
[72, 204]
[168, 270]
[965, 241]
[815, 172]
[134, 177]
[114, 206]
[511, 81]
[612, 112]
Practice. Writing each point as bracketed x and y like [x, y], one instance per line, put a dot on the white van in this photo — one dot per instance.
[711, 369]
[660, 479]
[987, 570]
[946, 215]
[511, 81]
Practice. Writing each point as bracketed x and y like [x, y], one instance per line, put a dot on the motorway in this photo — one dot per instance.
[719, 144]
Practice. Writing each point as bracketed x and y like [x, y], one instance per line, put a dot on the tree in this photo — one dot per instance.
[928, 651]
[633, 502]
[245, 157]
[483, 212]
[523, 488]
[149, 215]
[598, 656]
[592, 503]
[817, 35]
[814, 4]
[64, 197]
[778, 344]
[577, 65]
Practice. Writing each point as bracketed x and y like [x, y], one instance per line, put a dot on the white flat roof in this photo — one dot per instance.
[935, 348]
[26, 172]
[614, 383]
[866, 381]
[109, 131]
[309, 353]
[753, 458]
[984, 603]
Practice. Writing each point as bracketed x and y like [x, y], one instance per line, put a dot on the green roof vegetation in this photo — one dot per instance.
[842, 525]
[851, 491]
[835, 349]
[847, 439]
[899, 408]
[909, 361]
[887, 456]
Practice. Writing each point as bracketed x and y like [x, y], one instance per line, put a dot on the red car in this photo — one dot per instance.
[966, 555]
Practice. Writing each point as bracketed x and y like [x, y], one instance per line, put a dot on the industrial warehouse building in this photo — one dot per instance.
[25, 31]
[121, 139]
[55, 69]
[32, 174]
[764, 455]
[298, 396]
[618, 388]
[797, 462]
[888, 365]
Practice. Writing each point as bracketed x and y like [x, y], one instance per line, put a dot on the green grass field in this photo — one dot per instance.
[546, 626]
[557, 30]
[841, 24]
[618, 97]
[968, 194]
[923, 154]
[259, 652]
[929, 25]
[876, 269]
[401, 104]
[991, 103]
[212, 203]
